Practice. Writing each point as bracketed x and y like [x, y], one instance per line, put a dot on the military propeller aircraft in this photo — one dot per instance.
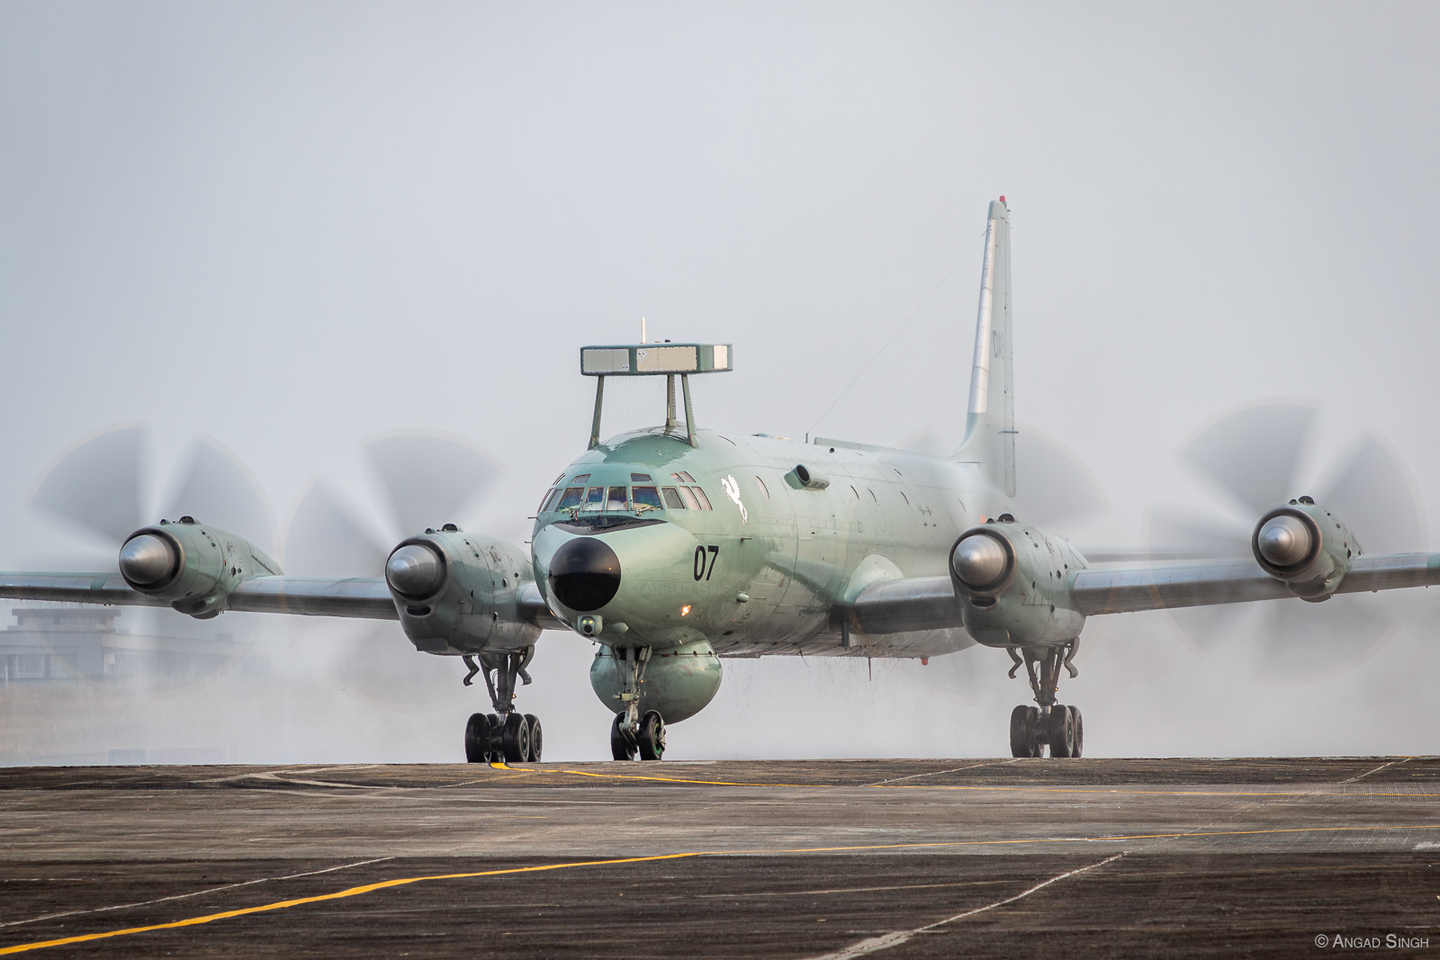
[674, 547]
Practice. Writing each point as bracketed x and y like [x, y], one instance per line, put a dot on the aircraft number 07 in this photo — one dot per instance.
[703, 570]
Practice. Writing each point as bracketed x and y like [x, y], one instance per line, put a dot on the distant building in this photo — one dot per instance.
[62, 642]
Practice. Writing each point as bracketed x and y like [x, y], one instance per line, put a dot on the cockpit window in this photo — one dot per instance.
[640, 499]
[704, 500]
[545, 500]
[581, 479]
[639, 478]
[646, 498]
[682, 475]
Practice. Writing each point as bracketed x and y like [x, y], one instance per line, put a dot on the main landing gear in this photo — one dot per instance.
[631, 733]
[1051, 725]
[503, 736]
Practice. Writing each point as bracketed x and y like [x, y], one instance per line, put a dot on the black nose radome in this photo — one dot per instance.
[585, 574]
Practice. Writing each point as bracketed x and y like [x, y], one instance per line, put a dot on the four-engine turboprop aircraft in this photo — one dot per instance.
[674, 547]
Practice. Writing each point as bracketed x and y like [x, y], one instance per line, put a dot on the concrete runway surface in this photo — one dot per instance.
[795, 859]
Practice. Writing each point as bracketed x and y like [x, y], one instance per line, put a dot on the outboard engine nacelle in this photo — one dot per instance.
[191, 566]
[1306, 547]
[459, 593]
[1013, 584]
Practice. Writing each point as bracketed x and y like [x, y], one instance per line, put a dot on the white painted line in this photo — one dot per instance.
[1376, 770]
[888, 940]
[197, 893]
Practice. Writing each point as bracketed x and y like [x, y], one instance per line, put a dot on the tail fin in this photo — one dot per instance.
[990, 423]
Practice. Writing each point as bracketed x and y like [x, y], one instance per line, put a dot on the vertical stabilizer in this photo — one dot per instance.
[990, 422]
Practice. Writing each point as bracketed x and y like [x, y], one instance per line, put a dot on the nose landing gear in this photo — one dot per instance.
[1050, 726]
[503, 736]
[631, 733]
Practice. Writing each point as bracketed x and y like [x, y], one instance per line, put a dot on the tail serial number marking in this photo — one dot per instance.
[705, 565]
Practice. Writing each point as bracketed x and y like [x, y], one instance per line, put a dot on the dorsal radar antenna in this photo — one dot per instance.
[652, 360]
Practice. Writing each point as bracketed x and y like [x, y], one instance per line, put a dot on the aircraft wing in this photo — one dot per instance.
[914, 603]
[1130, 589]
[929, 603]
[107, 588]
[362, 597]
[356, 597]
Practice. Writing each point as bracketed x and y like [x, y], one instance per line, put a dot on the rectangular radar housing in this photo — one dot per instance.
[652, 359]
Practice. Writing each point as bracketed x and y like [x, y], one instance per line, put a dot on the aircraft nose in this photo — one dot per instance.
[585, 574]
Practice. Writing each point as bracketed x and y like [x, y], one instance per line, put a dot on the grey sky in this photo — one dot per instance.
[290, 226]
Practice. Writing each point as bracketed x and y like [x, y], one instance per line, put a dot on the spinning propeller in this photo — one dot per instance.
[1251, 456]
[101, 486]
[427, 479]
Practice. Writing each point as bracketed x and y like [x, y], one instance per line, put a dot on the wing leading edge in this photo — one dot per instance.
[359, 597]
[929, 603]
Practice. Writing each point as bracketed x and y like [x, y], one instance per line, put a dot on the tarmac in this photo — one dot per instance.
[886, 858]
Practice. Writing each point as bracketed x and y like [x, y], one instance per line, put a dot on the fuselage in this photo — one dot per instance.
[751, 543]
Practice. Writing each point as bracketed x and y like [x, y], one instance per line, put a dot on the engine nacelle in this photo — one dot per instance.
[678, 683]
[1013, 585]
[192, 566]
[1306, 547]
[458, 593]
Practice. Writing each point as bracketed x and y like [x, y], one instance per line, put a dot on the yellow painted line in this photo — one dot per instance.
[708, 783]
[627, 776]
[405, 881]
[351, 892]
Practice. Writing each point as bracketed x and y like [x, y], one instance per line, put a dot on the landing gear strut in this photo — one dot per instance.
[1051, 725]
[502, 736]
[631, 733]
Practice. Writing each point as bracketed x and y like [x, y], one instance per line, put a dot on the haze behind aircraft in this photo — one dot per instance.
[675, 547]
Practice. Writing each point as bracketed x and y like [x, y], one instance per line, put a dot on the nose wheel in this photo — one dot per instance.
[1050, 727]
[622, 742]
[647, 738]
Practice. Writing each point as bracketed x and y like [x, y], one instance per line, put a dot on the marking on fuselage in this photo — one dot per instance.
[732, 490]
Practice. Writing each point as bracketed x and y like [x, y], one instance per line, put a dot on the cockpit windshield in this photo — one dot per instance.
[638, 500]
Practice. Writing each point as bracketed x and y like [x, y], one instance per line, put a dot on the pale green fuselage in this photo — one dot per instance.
[768, 579]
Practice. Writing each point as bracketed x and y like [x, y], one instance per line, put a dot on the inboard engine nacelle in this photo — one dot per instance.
[1306, 547]
[459, 593]
[1013, 584]
[190, 565]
